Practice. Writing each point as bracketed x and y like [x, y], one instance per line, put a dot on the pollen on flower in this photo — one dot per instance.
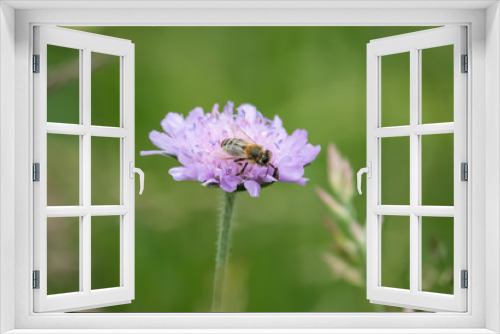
[233, 150]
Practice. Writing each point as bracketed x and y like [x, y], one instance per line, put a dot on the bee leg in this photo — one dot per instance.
[241, 171]
[239, 159]
[276, 173]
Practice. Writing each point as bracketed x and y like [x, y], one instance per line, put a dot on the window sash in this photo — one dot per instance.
[414, 297]
[86, 298]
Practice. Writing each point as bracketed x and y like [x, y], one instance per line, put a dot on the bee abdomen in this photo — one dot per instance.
[233, 146]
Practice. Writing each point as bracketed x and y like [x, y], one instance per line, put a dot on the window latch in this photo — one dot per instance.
[133, 170]
[368, 171]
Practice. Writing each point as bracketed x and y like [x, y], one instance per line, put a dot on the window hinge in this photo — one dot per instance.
[465, 279]
[36, 63]
[464, 172]
[36, 172]
[36, 279]
[465, 64]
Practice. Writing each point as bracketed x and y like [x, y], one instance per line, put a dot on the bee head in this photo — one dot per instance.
[266, 157]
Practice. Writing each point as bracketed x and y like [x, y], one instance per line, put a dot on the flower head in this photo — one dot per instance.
[196, 142]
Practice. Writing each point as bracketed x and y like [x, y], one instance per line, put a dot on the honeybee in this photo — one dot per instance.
[240, 147]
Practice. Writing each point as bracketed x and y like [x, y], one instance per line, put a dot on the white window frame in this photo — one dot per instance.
[16, 21]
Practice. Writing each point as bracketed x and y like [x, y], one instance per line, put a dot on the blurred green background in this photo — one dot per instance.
[314, 78]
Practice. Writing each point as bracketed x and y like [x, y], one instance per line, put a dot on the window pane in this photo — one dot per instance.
[105, 251]
[105, 90]
[395, 95]
[105, 171]
[63, 255]
[63, 86]
[437, 254]
[395, 251]
[437, 84]
[63, 170]
[437, 169]
[395, 183]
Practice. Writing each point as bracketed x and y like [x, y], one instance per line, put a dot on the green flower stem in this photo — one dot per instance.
[223, 245]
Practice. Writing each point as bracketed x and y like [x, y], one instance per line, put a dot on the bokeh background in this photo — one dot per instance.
[289, 253]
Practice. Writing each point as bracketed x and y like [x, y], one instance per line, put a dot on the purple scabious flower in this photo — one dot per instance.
[196, 140]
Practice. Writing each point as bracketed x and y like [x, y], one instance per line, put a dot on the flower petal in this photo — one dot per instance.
[184, 159]
[162, 141]
[228, 109]
[229, 183]
[173, 123]
[290, 170]
[215, 109]
[249, 111]
[195, 114]
[309, 153]
[205, 174]
[291, 173]
[182, 174]
[253, 188]
[277, 123]
[144, 153]
[302, 181]
[297, 139]
[193, 117]
[210, 182]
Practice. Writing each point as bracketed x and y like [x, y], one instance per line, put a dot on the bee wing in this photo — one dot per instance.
[236, 132]
[220, 153]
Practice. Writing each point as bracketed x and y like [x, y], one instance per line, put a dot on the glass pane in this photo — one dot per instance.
[63, 85]
[437, 254]
[396, 251]
[437, 169]
[105, 171]
[105, 90]
[105, 251]
[437, 84]
[63, 255]
[395, 95]
[63, 170]
[395, 183]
